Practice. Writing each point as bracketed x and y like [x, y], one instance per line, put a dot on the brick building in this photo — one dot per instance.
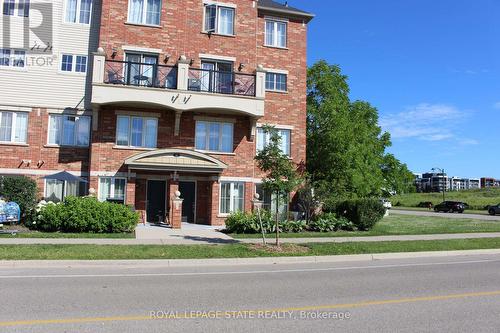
[174, 98]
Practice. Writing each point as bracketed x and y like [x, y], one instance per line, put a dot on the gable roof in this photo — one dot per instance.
[284, 9]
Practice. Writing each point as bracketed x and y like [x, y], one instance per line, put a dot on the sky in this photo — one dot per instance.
[431, 68]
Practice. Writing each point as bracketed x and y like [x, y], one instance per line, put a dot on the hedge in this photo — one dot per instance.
[86, 214]
[24, 192]
[364, 213]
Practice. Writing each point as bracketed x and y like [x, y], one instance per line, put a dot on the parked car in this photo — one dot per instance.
[494, 210]
[386, 203]
[450, 207]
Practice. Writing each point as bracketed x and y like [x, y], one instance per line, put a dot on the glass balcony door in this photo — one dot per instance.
[140, 69]
[217, 77]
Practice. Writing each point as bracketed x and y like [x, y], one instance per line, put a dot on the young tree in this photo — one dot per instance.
[346, 155]
[281, 176]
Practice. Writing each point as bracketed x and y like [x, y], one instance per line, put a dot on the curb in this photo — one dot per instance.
[236, 261]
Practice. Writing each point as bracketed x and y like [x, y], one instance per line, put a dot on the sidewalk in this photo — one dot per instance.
[214, 237]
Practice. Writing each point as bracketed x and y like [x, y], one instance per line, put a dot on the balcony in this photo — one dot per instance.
[140, 74]
[228, 83]
[180, 87]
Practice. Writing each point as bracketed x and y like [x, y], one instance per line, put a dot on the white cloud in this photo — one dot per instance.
[428, 122]
[468, 142]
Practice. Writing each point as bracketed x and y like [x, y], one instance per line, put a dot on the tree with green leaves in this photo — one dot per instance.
[281, 176]
[346, 151]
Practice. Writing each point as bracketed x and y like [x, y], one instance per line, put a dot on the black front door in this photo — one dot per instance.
[156, 199]
[188, 193]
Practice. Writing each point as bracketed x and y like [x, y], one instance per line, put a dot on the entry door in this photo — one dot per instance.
[156, 200]
[188, 193]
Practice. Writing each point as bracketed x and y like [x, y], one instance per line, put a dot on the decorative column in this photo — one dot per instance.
[175, 214]
[98, 66]
[260, 82]
[183, 73]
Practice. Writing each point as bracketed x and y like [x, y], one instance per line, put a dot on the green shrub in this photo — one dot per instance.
[293, 226]
[24, 192]
[364, 213]
[86, 215]
[248, 223]
[327, 222]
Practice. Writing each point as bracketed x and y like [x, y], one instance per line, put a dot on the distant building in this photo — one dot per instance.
[437, 182]
[432, 182]
[489, 182]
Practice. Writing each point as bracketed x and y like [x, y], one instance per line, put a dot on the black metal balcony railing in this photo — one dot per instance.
[140, 74]
[221, 82]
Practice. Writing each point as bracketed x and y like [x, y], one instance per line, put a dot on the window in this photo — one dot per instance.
[264, 137]
[232, 197]
[111, 188]
[78, 11]
[140, 69]
[144, 11]
[276, 82]
[216, 76]
[73, 63]
[269, 200]
[12, 58]
[67, 130]
[214, 136]
[57, 190]
[276, 32]
[219, 19]
[23, 8]
[136, 131]
[13, 127]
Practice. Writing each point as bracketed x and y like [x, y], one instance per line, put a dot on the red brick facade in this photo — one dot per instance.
[180, 34]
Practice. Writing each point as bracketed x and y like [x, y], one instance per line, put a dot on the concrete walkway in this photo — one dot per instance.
[445, 215]
[187, 237]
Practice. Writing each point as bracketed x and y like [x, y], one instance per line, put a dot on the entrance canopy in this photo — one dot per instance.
[65, 176]
[176, 160]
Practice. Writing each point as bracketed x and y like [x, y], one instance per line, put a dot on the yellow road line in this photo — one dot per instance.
[189, 315]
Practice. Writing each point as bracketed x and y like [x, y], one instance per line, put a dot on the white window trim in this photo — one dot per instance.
[231, 200]
[78, 7]
[17, 10]
[207, 136]
[73, 64]
[217, 27]
[144, 15]
[212, 57]
[112, 188]
[13, 128]
[12, 57]
[275, 22]
[278, 128]
[275, 82]
[76, 145]
[130, 117]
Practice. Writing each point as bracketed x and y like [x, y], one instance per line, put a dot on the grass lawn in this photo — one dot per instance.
[418, 209]
[404, 225]
[122, 252]
[477, 199]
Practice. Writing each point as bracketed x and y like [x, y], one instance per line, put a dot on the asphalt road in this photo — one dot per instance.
[448, 215]
[454, 294]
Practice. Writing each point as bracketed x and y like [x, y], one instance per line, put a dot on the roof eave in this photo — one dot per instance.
[307, 17]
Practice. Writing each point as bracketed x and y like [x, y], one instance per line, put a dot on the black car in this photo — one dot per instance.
[450, 207]
[494, 210]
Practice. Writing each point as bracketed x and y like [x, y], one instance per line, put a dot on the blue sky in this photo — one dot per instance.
[431, 67]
